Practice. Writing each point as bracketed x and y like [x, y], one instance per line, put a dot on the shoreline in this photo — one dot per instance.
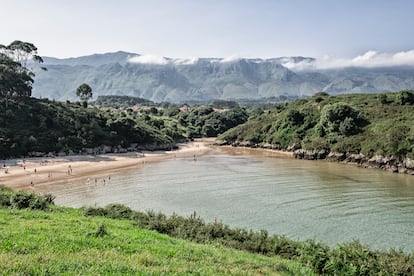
[262, 151]
[389, 164]
[29, 173]
[49, 171]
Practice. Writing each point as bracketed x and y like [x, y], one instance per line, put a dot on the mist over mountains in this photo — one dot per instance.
[203, 79]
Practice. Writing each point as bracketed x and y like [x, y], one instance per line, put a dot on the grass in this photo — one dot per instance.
[39, 238]
[63, 241]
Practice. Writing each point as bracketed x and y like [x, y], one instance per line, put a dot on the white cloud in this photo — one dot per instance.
[233, 58]
[186, 61]
[369, 59]
[149, 59]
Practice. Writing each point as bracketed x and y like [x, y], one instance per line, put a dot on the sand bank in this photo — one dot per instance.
[28, 173]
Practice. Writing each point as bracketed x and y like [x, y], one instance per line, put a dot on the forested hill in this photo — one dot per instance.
[37, 127]
[33, 125]
[370, 129]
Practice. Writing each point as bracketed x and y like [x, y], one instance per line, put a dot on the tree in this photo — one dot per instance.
[339, 118]
[16, 78]
[405, 97]
[84, 92]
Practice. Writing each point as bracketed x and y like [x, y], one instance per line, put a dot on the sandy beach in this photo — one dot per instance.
[28, 173]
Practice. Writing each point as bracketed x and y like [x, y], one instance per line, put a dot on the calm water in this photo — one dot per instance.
[329, 202]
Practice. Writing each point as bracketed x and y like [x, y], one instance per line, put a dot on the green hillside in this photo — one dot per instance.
[33, 125]
[39, 238]
[367, 124]
[62, 241]
[30, 126]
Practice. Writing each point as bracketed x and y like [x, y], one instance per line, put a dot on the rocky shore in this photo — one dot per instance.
[393, 164]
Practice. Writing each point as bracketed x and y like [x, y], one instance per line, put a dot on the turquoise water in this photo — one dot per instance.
[325, 201]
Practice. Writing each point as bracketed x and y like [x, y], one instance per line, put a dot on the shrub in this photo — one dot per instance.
[346, 259]
[100, 231]
[92, 211]
[118, 211]
[382, 98]
[314, 255]
[352, 259]
[21, 200]
[405, 97]
[339, 118]
[5, 199]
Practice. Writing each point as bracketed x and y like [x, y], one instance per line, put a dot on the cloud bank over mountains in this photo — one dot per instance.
[148, 59]
[370, 59]
[159, 60]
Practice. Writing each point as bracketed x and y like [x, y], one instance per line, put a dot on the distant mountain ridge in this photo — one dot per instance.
[180, 80]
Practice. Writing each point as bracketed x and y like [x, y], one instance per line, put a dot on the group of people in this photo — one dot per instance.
[96, 180]
[49, 174]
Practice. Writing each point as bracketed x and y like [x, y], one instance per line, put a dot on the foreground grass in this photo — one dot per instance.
[64, 241]
[39, 238]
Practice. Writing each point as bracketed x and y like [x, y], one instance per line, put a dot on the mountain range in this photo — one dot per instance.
[203, 79]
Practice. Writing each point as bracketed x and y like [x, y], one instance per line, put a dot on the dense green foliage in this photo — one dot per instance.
[16, 79]
[205, 121]
[122, 101]
[345, 259]
[24, 200]
[32, 125]
[61, 241]
[356, 123]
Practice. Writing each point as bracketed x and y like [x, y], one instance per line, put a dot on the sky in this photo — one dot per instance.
[330, 30]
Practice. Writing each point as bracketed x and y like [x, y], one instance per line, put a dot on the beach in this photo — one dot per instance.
[26, 174]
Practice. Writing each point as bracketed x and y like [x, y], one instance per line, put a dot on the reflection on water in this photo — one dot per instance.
[300, 199]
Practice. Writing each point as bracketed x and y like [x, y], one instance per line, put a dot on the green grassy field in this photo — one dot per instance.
[64, 241]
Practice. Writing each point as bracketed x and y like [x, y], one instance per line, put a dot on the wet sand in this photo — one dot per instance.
[32, 172]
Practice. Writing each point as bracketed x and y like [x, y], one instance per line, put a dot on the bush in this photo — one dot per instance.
[339, 118]
[21, 200]
[118, 211]
[5, 199]
[352, 259]
[92, 211]
[100, 231]
[382, 98]
[24, 200]
[405, 97]
[314, 255]
[346, 259]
